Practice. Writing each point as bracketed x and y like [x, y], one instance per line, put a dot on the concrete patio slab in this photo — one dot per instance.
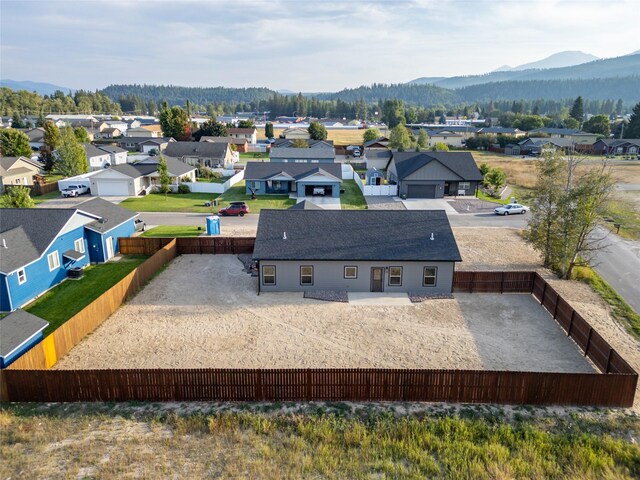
[429, 204]
[379, 298]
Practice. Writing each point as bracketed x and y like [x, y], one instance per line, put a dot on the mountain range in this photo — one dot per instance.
[38, 87]
[557, 60]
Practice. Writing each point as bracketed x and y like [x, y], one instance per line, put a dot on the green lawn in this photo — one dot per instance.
[173, 231]
[483, 196]
[622, 209]
[62, 302]
[352, 198]
[173, 202]
[253, 155]
[47, 196]
[213, 180]
[54, 177]
[237, 193]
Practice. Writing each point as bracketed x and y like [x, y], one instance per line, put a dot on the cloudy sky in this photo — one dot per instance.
[296, 44]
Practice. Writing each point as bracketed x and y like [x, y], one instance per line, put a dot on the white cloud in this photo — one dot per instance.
[308, 46]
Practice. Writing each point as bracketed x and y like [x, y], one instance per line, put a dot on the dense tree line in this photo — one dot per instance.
[23, 102]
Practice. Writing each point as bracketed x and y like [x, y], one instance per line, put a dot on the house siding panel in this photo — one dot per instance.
[329, 275]
[39, 278]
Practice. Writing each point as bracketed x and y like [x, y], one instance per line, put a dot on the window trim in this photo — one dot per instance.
[24, 276]
[435, 276]
[79, 241]
[468, 185]
[53, 255]
[347, 277]
[263, 275]
[312, 276]
[389, 277]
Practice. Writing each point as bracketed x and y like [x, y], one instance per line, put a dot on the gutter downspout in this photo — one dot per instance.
[259, 278]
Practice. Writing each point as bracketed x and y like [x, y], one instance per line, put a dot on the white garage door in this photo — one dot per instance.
[113, 188]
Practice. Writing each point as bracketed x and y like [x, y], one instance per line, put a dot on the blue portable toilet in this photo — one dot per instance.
[213, 225]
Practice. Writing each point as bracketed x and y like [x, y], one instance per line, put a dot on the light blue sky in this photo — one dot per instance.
[298, 45]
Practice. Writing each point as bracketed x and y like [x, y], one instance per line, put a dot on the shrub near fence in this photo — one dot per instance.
[64, 338]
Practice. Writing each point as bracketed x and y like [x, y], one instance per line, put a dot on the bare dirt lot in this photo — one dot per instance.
[203, 311]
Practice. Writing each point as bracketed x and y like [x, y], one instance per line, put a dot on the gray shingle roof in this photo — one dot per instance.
[305, 205]
[461, 163]
[16, 328]
[266, 170]
[93, 151]
[197, 149]
[302, 154]
[351, 235]
[27, 233]
[149, 166]
[381, 140]
[112, 214]
[111, 149]
[560, 131]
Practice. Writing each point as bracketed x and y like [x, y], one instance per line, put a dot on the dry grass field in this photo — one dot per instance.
[339, 136]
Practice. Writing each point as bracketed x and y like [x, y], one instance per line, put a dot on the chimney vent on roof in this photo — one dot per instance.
[432, 237]
[284, 235]
[4, 243]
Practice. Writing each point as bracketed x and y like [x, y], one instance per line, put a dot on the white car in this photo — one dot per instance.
[74, 190]
[511, 209]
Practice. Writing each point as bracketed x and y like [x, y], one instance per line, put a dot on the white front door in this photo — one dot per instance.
[109, 242]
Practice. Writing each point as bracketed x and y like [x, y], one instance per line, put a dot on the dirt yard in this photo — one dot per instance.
[203, 311]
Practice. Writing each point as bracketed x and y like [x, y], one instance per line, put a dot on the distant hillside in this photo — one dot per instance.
[38, 87]
[627, 65]
[627, 88]
[175, 95]
[425, 95]
[559, 60]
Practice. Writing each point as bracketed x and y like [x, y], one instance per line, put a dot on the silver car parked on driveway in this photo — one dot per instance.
[511, 209]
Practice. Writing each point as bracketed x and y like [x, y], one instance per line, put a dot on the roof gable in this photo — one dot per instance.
[460, 163]
[267, 170]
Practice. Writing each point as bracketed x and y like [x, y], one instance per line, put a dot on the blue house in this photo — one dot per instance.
[301, 179]
[38, 246]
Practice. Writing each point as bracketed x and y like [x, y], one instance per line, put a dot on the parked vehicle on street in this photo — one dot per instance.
[511, 209]
[139, 225]
[234, 209]
[74, 190]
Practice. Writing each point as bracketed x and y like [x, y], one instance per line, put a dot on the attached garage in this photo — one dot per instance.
[421, 191]
[322, 190]
[112, 188]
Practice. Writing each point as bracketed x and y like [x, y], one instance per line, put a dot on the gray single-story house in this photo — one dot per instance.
[304, 179]
[302, 155]
[355, 251]
[434, 174]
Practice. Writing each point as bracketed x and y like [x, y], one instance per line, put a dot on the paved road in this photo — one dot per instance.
[619, 265]
[458, 220]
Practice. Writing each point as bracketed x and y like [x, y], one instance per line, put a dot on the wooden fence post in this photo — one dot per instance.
[501, 282]
[555, 308]
[608, 360]
[573, 312]
[307, 395]
[472, 283]
[544, 291]
[533, 277]
[259, 395]
[586, 348]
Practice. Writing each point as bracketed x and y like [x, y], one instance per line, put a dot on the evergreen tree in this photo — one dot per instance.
[598, 124]
[577, 111]
[70, 157]
[14, 143]
[163, 173]
[16, 121]
[17, 197]
[175, 123]
[211, 128]
[423, 139]
[268, 130]
[632, 130]
[82, 135]
[51, 142]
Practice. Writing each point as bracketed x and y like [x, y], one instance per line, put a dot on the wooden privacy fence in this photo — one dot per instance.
[322, 385]
[614, 387]
[64, 338]
[188, 245]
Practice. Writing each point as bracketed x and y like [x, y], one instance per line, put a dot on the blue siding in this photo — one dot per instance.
[335, 191]
[98, 241]
[39, 278]
[5, 304]
[125, 230]
[96, 250]
[9, 359]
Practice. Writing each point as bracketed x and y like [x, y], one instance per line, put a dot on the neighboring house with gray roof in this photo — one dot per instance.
[355, 251]
[36, 137]
[301, 179]
[96, 157]
[19, 332]
[131, 179]
[434, 174]
[145, 144]
[377, 157]
[39, 246]
[17, 171]
[288, 143]
[538, 146]
[576, 136]
[302, 155]
[202, 153]
[616, 146]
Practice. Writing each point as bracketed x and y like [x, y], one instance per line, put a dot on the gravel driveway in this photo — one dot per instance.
[204, 311]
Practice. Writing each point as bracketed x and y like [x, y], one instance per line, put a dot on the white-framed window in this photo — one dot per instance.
[17, 181]
[306, 275]
[22, 276]
[350, 272]
[464, 185]
[395, 276]
[78, 245]
[430, 277]
[54, 261]
[268, 274]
